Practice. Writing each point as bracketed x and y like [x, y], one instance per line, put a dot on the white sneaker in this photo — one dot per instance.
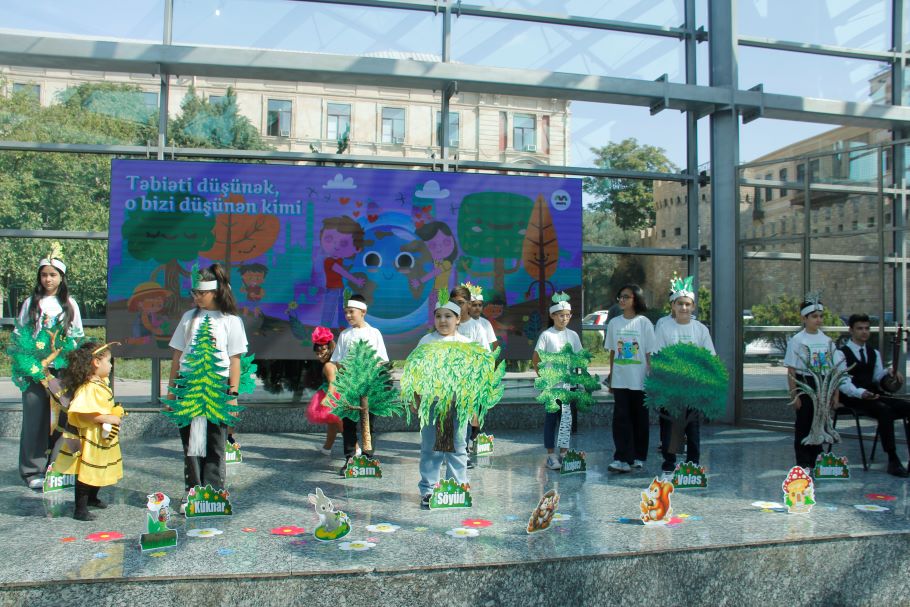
[618, 466]
[638, 464]
[358, 452]
[667, 476]
[325, 451]
[553, 462]
[36, 483]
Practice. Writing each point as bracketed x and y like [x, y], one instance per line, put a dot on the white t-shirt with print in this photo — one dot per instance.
[813, 347]
[670, 332]
[630, 339]
[366, 333]
[51, 309]
[227, 329]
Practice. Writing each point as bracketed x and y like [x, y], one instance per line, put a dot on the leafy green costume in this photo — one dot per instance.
[560, 371]
[31, 353]
[462, 379]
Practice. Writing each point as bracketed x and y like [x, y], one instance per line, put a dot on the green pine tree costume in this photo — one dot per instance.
[451, 373]
[202, 390]
[559, 373]
[686, 381]
[364, 386]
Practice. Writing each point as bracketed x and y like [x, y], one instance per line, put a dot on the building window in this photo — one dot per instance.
[150, 101]
[545, 128]
[524, 133]
[339, 120]
[454, 122]
[782, 175]
[663, 233]
[840, 227]
[503, 131]
[278, 120]
[871, 222]
[855, 225]
[393, 125]
[769, 192]
[801, 173]
[216, 99]
[32, 90]
[783, 226]
[827, 229]
[677, 231]
[813, 169]
[887, 218]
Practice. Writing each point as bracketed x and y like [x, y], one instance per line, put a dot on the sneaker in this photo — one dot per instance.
[358, 452]
[618, 466]
[472, 446]
[325, 451]
[344, 467]
[553, 462]
[183, 504]
[36, 483]
[638, 464]
[667, 476]
[471, 463]
[425, 501]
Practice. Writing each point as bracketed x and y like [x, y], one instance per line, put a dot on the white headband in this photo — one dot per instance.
[681, 293]
[452, 306]
[476, 297]
[353, 303]
[52, 262]
[558, 307]
[814, 307]
[206, 285]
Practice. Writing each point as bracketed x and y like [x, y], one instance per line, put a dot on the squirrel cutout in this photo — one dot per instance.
[333, 525]
[543, 514]
[655, 502]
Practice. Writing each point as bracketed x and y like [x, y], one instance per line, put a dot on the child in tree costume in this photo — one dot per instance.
[208, 372]
[687, 379]
[561, 365]
[447, 380]
[49, 323]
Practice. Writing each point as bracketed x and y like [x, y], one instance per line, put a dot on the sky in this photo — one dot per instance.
[316, 27]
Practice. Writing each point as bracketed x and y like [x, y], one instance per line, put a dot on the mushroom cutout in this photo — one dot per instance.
[799, 491]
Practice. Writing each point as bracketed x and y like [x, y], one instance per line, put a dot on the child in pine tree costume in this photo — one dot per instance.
[207, 374]
[355, 311]
[557, 378]
[680, 327]
[464, 295]
[95, 459]
[449, 381]
[48, 323]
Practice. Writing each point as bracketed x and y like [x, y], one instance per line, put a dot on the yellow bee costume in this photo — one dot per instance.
[98, 462]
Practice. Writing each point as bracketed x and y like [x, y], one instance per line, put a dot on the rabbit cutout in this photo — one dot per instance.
[333, 524]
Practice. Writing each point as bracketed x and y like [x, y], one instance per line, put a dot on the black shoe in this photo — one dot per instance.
[895, 468]
[83, 515]
[96, 503]
[344, 467]
[471, 463]
[425, 501]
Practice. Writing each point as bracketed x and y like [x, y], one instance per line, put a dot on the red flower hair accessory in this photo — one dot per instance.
[322, 335]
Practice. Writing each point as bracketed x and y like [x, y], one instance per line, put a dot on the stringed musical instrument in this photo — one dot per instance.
[890, 382]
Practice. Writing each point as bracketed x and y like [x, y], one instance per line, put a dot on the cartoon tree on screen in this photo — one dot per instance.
[686, 381]
[561, 371]
[168, 238]
[540, 253]
[240, 237]
[451, 373]
[364, 386]
[201, 389]
[490, 225]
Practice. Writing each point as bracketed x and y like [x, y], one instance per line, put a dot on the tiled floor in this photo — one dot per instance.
[269, 490]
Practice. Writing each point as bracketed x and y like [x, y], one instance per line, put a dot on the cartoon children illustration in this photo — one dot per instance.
[253, 275]
[340, 238]
[442, 246]
[148, 300]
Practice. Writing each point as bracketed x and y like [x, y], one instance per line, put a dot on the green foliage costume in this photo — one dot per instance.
[462, 379]
[561, 371]
[686, 377]
[31, 353]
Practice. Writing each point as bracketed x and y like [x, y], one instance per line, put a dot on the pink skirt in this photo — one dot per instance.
[317, 413]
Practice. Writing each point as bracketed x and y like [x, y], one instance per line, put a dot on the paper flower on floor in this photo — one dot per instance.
[564, 378]
[363, 385]
[104, 536]
[559, 516]
[884, 497]
[206, 533]
[454, 382]
[201, 390]
[476, 523]
[356, 546]
[225, 551]
[768, 505]
[158, 554]
[248, 529]
[67, 539]
[462, 532]
[288, 530]
[382, 528]
[871, 508]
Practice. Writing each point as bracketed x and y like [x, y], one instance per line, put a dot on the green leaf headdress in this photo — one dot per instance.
[442, 301]
[560, 302]
[681, 287]
[475, 290]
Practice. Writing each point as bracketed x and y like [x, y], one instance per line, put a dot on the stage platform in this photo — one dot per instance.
[722, 551]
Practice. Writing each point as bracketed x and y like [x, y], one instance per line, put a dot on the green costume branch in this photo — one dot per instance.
[364, 386]
[686, 381]
[559, 373]
[462, 379]
[32, 353]
[201, 389]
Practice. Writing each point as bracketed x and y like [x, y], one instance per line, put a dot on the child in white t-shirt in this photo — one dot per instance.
[630, 340]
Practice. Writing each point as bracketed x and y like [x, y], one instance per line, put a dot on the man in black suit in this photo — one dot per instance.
[862, 392]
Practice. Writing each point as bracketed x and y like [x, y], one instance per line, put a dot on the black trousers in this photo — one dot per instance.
[35, 434]
[210, 469]
[630, 425]
[693, 440]
[885, 410]
[350, 435]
